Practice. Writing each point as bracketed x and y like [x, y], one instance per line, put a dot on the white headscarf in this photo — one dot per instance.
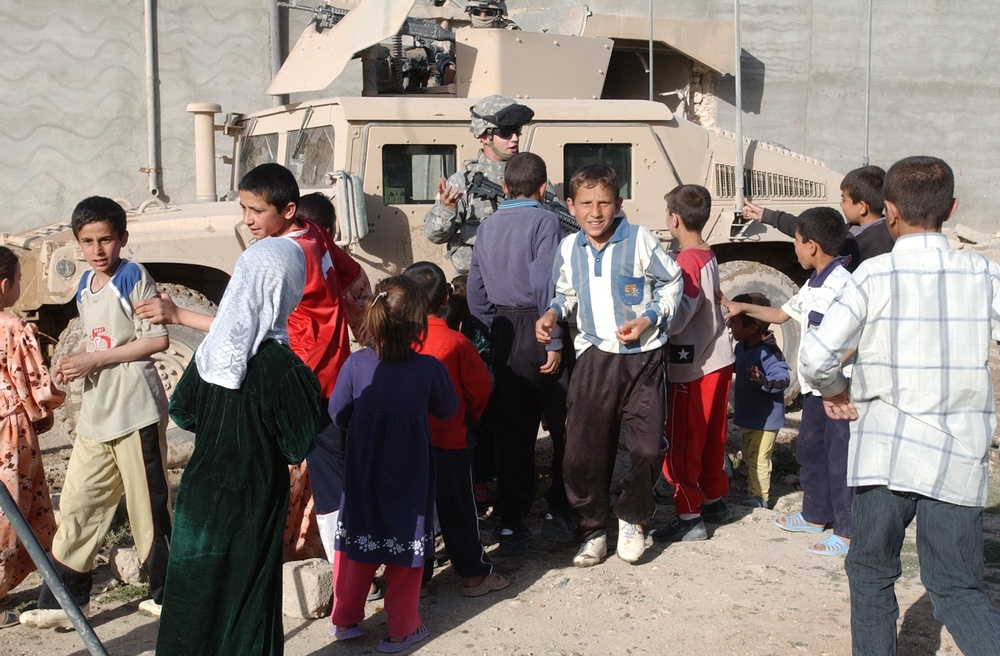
[267, 284]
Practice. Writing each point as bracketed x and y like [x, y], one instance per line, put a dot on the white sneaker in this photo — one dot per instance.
[50, 618]
[592, 552]
[631, 541]
[150, 608]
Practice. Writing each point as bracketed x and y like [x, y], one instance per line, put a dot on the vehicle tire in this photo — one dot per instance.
[170, 364]
[742, 277]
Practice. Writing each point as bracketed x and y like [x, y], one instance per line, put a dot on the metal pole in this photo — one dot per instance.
[739, 117]
[868, 84]
[48, 572]
[650, 49]
[152, 100]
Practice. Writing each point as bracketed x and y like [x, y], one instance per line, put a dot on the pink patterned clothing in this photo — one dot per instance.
[27, 396]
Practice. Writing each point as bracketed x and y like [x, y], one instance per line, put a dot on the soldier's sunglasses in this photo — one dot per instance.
[485, 12]
[505, 133]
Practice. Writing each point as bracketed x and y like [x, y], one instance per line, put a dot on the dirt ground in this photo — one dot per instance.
[751, 589]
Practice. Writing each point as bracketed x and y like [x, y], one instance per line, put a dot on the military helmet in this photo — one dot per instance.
[498, 112]
[500, 5]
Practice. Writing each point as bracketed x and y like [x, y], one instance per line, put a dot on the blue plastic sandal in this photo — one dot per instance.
[797, 524]
[832, 545]
[386, 646]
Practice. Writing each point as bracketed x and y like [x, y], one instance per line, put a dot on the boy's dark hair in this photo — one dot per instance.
[524, 174]
[692, 203]
[593, 175]
[272, 182]
[8, 264]
[396, 319]
[452, 314]
[865, 184]
[431, 279]
[317, 207]
[96, 209]
[922, 189]
[459, 284]
[825, 226]
[753, 298]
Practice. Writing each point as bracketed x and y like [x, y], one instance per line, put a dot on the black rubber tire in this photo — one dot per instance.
[744, 276]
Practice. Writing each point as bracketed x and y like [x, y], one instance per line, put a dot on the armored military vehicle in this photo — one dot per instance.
[379, 156]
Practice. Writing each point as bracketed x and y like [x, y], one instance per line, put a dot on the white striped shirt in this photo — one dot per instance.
[632, 276]
[922, 319]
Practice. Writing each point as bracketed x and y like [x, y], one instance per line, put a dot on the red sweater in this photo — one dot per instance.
[468, 374]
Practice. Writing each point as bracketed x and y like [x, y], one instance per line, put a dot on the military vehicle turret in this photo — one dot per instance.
[380, 156]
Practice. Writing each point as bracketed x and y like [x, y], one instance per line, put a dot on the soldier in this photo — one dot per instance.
[489, 13]
[473, 193]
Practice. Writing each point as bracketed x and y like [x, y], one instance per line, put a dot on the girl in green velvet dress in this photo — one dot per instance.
[254, 409]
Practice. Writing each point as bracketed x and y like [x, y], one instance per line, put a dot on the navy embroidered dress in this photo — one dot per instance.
[386, 511]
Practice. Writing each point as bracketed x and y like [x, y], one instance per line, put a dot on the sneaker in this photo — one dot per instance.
[592, 552]
[514, 539]
[150, 608]
[631, 541]
[754, 502]
[716, 512]
[557, 527]
[50, 618]
[681, 530]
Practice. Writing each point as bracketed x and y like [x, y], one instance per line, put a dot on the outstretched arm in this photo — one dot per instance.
[161, 309]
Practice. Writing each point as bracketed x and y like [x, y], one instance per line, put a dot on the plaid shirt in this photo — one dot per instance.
[921, 319]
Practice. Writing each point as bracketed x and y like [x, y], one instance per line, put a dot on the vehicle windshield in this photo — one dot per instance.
[255, 150]
[310, 155]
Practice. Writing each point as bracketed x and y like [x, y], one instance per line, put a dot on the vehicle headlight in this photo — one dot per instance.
[65, 268]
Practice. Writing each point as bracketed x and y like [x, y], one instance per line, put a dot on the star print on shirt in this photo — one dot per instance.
[681, 353]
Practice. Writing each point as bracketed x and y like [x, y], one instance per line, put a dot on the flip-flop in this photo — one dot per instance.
[346, 633]
[832, 545]
[386, 646]
[797, 524]
[490, 583]
[9, 617]
[379, 590]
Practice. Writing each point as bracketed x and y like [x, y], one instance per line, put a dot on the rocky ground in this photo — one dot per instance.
[751, 589]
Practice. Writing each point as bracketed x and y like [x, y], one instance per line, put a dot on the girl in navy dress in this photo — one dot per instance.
[383, 397]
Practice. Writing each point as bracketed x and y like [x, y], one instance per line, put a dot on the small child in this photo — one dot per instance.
[699, 373]
[621, 286]
[28, 398]
[821, 449]
[510, 285]
[384, 397]
[456, 502]
[861, 201]
[120, 446]
[758, 396]
[254, 407]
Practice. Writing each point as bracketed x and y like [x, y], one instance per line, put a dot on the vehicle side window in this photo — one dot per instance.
[410, 173]
[310, 155]
[255, 150]
[617, 156]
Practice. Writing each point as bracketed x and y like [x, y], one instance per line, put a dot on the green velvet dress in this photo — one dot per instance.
[223, 588]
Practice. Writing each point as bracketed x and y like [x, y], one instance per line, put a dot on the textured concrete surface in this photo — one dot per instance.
[73, 121]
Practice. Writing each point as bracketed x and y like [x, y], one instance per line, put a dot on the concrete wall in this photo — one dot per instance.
[73, 121]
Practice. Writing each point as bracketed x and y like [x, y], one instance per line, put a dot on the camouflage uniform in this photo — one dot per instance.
[458, 227]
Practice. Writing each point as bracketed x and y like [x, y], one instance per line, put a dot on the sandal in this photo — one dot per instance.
[346, 633]
[379, 591]
[387, 646]
[797, 524]
[9, 617]
[833, 545]
[490, 583]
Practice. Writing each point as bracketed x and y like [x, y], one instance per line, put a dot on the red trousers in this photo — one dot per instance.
[351, 581]
[696, 439]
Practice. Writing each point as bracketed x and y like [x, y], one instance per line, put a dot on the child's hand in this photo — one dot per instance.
[74, 367]
[448, 196]
[756, 376]
[630, 331]
[159, 310]
[752, 212]
[552, 361]
[545, 325]
[732, 309]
